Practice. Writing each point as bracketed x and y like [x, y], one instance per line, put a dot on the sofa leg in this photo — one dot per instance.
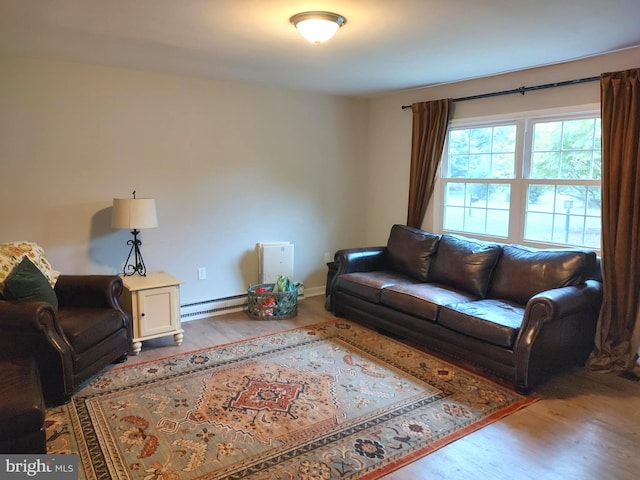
[62, 399]
[121, 359]
[523, 389]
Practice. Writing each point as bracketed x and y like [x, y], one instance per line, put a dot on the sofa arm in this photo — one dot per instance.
[349, 260]
[558, 303]
[366, 259]
[95, 291]
[557, 331]
[32, 328]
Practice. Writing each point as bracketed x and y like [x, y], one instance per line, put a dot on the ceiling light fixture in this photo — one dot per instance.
[317, 27]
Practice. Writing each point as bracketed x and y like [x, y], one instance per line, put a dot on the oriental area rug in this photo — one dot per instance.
[331, 401]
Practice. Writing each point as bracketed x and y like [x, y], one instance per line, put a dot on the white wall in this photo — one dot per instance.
[390, 126]
[229, 165]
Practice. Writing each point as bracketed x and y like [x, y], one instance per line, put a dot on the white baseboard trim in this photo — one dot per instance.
[234, 303]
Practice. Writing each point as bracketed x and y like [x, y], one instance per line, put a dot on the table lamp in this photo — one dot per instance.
[134, 213]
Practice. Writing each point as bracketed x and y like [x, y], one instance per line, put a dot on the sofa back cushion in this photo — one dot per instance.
[465, 264]
[410, 250]
[523, 272]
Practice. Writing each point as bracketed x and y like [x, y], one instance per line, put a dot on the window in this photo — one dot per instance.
[533, 180]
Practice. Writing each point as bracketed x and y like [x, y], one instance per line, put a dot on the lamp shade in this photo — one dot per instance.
[134, 213]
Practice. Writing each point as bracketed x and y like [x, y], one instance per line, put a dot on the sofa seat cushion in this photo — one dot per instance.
[421, 299]
[410, 250]
[543, 269]
[490, 320]
[86, 327]
[465, 264]
[369, 285]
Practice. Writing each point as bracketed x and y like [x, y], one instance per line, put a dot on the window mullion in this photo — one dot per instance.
[519, 187]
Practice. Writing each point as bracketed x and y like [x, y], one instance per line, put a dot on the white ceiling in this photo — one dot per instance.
[385, 45]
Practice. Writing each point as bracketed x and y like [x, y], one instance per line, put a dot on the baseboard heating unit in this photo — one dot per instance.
[210, 308]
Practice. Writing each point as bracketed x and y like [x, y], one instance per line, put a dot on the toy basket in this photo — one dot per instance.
[267, 305]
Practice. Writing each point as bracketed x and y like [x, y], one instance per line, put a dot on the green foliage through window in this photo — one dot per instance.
[557, 172]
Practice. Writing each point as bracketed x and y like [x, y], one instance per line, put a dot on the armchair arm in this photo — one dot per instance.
[101, 291]
[32, 328]
[28, 317]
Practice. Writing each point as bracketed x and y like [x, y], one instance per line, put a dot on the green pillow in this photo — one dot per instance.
[27, 282]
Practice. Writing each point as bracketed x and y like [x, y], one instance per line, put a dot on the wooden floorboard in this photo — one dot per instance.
[587, 425]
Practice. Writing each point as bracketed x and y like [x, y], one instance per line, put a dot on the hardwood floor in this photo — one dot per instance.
[587, 425]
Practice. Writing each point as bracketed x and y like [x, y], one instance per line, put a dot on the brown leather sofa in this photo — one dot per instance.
[89, 331]
[513, 313]
[22, 408]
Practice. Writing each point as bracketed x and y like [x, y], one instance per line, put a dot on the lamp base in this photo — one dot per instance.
[135, 265]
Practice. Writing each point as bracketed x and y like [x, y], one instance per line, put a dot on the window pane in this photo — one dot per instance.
[540, 198]
[476, 220]
[573, 207]
[576, 165]
[578, 134]
[499, 196]
[497, 222]
[454, 194]
[480, 140]
[502, 165]
[458, 166]
[597, 164]
[547, 136]
[454, 201]
[592, 232]
[538, 227]
[504, 138]
[486, 152]
[594, 202]
[561, 228]
[454, 218]
[597, 134]
[545, 165]
[567, 149]
[479, 166]
[458, 142]
[477, 208]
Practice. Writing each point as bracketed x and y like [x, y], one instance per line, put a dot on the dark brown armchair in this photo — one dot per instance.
[89, 331]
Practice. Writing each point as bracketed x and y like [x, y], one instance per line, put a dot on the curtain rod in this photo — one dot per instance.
[522, 89]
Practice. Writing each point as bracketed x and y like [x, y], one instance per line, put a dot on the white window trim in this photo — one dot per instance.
[518, 118]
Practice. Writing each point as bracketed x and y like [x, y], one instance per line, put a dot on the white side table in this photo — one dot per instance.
[154, 305]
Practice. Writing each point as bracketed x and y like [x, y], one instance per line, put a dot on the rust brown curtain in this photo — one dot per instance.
[618, 332]
[430, 120]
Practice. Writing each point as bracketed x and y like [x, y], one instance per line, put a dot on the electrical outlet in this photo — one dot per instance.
[202, 273]
[327, 257]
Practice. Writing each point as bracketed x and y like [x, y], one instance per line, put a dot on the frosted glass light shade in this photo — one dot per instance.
[134, 213]
[317, 27]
